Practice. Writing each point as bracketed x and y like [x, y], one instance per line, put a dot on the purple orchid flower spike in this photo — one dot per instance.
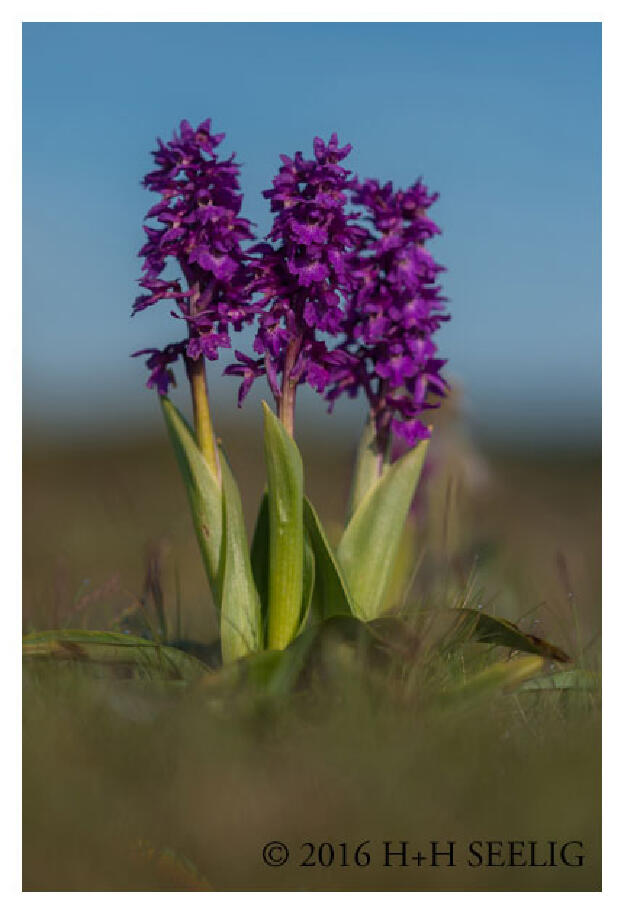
[196, 226]
[394, 308]
[302, 275]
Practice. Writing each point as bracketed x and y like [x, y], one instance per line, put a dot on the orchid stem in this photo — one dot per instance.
[196, 372]
[383, 443]
[286, 406]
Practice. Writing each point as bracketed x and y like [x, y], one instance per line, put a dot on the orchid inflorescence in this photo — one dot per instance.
[322, 270]
[345, 298]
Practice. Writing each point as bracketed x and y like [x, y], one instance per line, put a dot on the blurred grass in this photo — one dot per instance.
[108, 764]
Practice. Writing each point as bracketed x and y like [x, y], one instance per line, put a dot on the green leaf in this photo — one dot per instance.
[260, 567]
[260, 550]
[260, 561]
[218, 520]
[479, 626]
[331, 595]
[113, 649]
[309, 576]
[285, 498]
[368, 549]
[240, 604]
[406, 565]
[368, 468]
[204, 494]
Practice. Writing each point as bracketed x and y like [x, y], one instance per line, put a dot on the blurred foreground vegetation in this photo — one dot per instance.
[132, 784]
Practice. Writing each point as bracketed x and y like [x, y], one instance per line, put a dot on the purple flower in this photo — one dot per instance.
[394, 308]
[161, 376]
[246, 368]
[199, 229]
[302, 273]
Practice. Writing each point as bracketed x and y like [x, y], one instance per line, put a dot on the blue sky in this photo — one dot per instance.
[502, 119]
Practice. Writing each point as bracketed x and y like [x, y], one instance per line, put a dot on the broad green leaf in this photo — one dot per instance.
[260, 567]
[113, 649]
[260, 560]
[204, 494]
[285, 498]
[479, 626]
[581, 680]
[369, 466]
[240, 604]
[405, 566]
[368, 549]
[331, 595]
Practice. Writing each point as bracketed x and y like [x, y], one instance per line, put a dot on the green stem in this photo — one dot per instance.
[383, 434]
[196, 372]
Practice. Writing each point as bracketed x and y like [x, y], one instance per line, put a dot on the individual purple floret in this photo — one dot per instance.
[394, 309]
[158, 363]
[199, 228]
[302, 276]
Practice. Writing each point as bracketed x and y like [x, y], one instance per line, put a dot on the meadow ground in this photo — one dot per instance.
[132, 785]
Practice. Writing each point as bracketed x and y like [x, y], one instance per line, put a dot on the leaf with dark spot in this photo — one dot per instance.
[486, 629]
